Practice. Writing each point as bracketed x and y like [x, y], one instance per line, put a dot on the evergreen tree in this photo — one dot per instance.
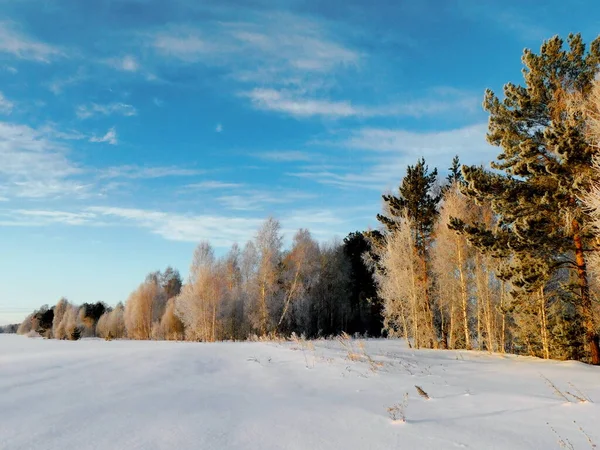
[454, 172]
[365, 304]
[543, 168]
[171, 282]
[417, 203]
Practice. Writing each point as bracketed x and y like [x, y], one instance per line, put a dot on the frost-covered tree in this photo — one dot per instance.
[111, 324]
[144, 307]
[300, 273]
[199, 303]
[543, 167]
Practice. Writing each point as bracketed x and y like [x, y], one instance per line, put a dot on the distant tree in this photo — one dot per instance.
[26, 325]
[365, 304]
[267, 293]
[59, 312]
[416, 206]
[454, 173]
[42, 321]
[300, 269]
[170, 281]
[112, 323]
[144, 307]
[89, 314]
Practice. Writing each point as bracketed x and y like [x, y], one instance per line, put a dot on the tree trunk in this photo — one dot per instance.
[544, 324]
[503, 336]
[591, 334]
[465, 297]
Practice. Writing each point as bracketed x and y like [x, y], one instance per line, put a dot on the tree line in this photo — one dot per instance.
[261, 289]
[501, 259]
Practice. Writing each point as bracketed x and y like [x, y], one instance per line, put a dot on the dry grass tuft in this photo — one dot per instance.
[397, 411]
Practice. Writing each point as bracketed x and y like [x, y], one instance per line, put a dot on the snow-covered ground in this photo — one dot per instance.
[94, 394]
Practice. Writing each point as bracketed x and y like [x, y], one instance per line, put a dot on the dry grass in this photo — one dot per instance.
[566, 443]
[397, 412]
[356, 351]
[568, 396]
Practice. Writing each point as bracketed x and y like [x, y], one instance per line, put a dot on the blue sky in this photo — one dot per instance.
[130, 130]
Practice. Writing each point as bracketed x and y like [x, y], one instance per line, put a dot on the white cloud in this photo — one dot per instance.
[298, 105]
[279, 49]
[11, 69]
[57, 85]
[127, 63]
[110, 137]
[158, 102]
[389, 151]
[27, 217]
[184, 44]
[424, 143]
[255, 200]
[285, 156]
[222, 231]
[87, 111]
[141, 172]
[13, 42]
[6, 106]
[219, 128]
[35, 164]
[272, 100]
[207, 185]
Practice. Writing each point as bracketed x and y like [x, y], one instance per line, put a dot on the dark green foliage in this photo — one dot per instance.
[543, 168]
[93, 311]
[171, 282]
[365, 304]
[76, 334]
[418, 201]
[42, 320]
[454, 172]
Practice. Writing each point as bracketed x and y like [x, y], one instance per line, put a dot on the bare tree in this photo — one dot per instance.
[301, 268]
[144, 307]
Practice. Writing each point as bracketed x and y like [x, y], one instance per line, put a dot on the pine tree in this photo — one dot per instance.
[417, 202]
[416, 205]
[454, 172]
[543, 168]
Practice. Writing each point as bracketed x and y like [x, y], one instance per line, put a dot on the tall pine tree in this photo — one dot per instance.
[418, 203]
[543, 167]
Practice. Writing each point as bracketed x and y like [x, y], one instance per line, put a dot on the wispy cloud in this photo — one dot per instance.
[35, 164]
[272, 100]
[127, 63]
[276, 49]
[386, 153]
[110, 137]
[208, 185]
[6, 106]
[324, 224]
[219, 128]
[285, 156]
[16, 43]
[186, 227]
[256, 200]
[32, 218]
[298, 105]
[94, 109]
[142, 172]
[57, 85]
